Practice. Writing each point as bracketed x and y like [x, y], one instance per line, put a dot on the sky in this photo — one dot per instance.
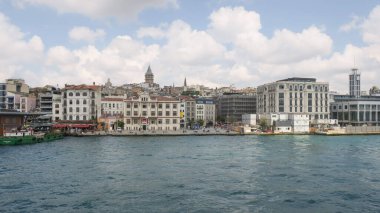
[244, 43]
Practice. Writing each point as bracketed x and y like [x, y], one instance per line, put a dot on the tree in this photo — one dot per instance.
[263, 124]
[200, 122]
[120, 124]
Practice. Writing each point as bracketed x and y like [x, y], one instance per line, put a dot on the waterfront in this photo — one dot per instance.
[193, 174]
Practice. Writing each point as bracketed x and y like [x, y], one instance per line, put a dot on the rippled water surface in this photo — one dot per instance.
[193, 174]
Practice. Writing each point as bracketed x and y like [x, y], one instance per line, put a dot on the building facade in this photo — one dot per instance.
[232, 106]
[249, 119]
[205, 111]
[295, 95]
[81, 102]
[356, 111]
[17, 86]
[187, 111]
[3, 96]
[354, 83]
[152, 113]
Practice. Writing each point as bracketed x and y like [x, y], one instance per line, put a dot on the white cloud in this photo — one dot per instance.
[353, 25]
[232, 50]
[86, 34]
[371, 26]
[17, 51]
[100, 9]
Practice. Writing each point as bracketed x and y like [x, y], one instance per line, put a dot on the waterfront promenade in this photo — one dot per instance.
[200, 132]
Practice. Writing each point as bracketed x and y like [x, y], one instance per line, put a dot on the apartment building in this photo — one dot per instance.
[147, 112]
[205, 110]
[81, 102]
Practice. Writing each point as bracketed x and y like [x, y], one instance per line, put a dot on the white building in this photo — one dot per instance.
[295, 95]
[151, 113]
[112, 106]
[205, 110]
[300, 123]
[249, 119]
[81, 102]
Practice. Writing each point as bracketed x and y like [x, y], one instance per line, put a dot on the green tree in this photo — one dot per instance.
[120, 124]
[201, 122]
[263, 124]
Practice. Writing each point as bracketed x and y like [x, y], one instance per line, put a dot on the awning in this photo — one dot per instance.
[81, 125]
[59, 126]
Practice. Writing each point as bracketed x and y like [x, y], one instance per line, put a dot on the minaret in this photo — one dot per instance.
[354, 82]
[149, 77]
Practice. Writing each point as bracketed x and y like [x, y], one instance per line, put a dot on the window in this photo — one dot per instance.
[174, 121]
[167, 106]
[160, 106]
[167, 113]
[70, 102]
[77, 117]
[153, 106]
[77, 101]
[70, 117]
[144, 113]
[84, 94]
[77, 94]
[174, 113]
[144, 106]
[84, 109]
[84, 118]
[70, 110]
[159, 121]
[128, 113]
[153, 113]
[84, 102]
[71, 94]
[135, 105]
[167, 121]
[77, 109]
[159, 113]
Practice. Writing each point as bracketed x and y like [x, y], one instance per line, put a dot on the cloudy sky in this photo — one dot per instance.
[215, 42]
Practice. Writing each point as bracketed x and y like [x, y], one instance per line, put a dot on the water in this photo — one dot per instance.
[193, 174]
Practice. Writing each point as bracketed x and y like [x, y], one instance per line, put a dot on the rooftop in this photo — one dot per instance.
[297, 79]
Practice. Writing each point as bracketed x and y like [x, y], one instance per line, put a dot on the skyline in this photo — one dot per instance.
[215, 43]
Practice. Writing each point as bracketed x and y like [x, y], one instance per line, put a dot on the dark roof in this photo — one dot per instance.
[149, 71]
[297, 79]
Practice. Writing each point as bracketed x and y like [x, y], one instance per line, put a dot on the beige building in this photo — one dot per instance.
[17, 86]
[151, 113]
